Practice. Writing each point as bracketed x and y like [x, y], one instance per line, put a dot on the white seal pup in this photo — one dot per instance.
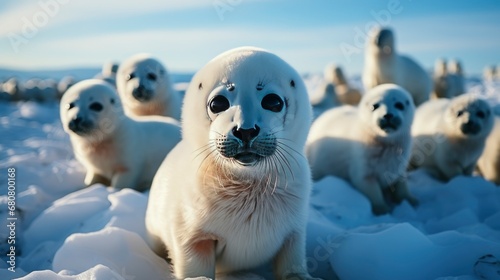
[456, 74]
[48, 87]
[490, 73]
[345, 93]
[442, 80]
[145, 88]
[4, 96]
[449, 135]
[384, 65]
[115, 149]
[325, 96]
[234, 193]
[33, 91]
[368, 146]
[13, 89]
[108, 72]
[64, 84]
[488, 164]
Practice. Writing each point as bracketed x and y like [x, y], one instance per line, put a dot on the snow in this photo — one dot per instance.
[66, 231]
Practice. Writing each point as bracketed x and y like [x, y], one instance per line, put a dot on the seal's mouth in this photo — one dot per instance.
[247, 158]
[142, 95]
[470, 128]
[388, 126]
[81, 126]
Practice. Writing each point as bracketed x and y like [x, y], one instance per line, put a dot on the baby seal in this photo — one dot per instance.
[449, 135]
[489, 162]
[384, 65]
[115, 149]
[345, 93]
[145, 88]
[368, 146]
[234, 193]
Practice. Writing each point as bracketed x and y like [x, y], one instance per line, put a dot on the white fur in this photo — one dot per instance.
[490, 73]
[348, 142]
[12, 88]
[324, 98]
[116, 150]
[211, 212]
[456, 74]
[384, 65]
[64, 84]
[442, 80]
[136, 72]
[345, 93]
[489, 162]
[440, 145]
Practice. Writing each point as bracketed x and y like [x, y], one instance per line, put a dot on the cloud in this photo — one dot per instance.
[58, 12]
[184, 48]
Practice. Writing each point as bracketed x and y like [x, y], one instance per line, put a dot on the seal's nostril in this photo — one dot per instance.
[246, 135]
[388, 116]
[77, 120]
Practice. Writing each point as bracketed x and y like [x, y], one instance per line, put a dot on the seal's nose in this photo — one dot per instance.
[246, 135]
[388, 116]
[75, 123]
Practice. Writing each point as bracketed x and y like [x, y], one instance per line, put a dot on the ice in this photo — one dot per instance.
[122, 251]
[97, 272]
[67, 231]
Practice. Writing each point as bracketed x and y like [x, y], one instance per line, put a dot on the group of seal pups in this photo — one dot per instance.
[374, 143]
[38, 90]
[230, 165]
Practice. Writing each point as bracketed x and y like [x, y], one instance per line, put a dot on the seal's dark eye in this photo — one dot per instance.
[272, 102]
[481, 114]
[399, 106]
[460, 113]
[70, 105]
[130, 76]
[375, 106]
[219, 104]
[152, 76]
[96, 106]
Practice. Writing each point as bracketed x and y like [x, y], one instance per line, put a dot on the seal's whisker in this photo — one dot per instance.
[203, 149]
[284, 159]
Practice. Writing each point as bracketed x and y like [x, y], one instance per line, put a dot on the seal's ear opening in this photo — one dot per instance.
[112, 100]
[200, 86]
[292, 83]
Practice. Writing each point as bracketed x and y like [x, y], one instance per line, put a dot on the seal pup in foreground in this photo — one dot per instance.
[368, 146]
[449, 135]
[146, 89]
[115, 149]
[234, 193]
[489, 162]
[384, 65]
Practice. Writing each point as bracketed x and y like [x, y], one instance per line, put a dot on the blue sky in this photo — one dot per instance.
[184, 35]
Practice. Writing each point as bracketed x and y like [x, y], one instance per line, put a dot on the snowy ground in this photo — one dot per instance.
[65, 231]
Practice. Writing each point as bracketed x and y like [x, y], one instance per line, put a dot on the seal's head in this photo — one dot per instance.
[247, 106]
[91, 109]
[382, 40]
[333, 73]
[141, 79]
[469, 116]
[388, 109]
